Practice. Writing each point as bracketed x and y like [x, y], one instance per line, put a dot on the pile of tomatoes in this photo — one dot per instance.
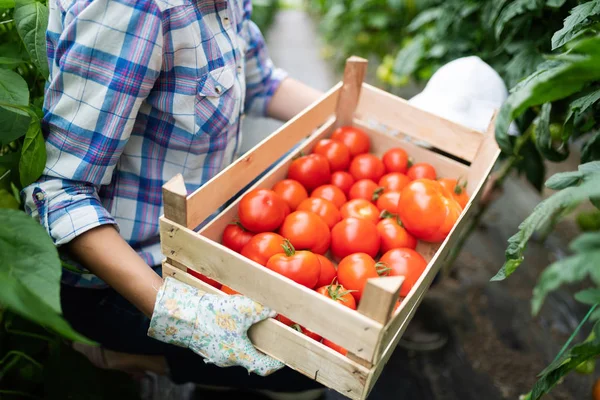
[364, 212]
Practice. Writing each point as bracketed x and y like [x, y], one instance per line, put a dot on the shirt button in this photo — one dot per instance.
[218, 89]
[239, 69]
[39, 196]
[226, 22]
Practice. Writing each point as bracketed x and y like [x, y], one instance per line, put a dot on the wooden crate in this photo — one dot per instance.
[371, 333]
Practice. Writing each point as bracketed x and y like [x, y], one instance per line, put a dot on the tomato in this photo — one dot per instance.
[284, 320]
[328, 271]
[332, 193]
[394, 236]
[354, 271]
[335, 347]
[365, 189]
[263, 246]
[311, 171]
[235, 237]
[427, 210]
[388, 201]
[396, 160]
[343, 180]
[301, 329]
[307, 231]
[421, 171]
[355, 139]
[367, 166]
[336, 153]
[228, 290]
[204, 278]
[394, 181]
[339, 294]
[407, 263]
[310, 334]
[323, 208]
[360, 208]
[301, 266]
[458, 190]
[262, 210]
[291, 191]
[354, 235]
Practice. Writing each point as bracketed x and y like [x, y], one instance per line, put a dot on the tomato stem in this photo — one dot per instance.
[377, 193]
[288, 247]
[382, 269]
[297, 327]
[409, 163]
[336, 293]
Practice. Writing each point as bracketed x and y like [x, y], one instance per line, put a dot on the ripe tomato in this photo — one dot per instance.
[394, 181]
[284, 320]
[394, 236]
[291, 191]
[355, 139]
[367, 166]
[263, 246]
[328, 271]
[299, 328]
[307, 231]
[301, 266]
[235, 237]
[421, 171]
[354, 235]
[338, 293]
[427, 210]
[228, 290]
[407, 263]
[336, 153]
[311, 171]
[323, 208]
[204, 278]
[458, 190]
[365, 189]
[354, 271]
[396, 160]
[262, 210]
[332, 193]
[343, 180]
[335, 347]
[360, 208]
[388, 201]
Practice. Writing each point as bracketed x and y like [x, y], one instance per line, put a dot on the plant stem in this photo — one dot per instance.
[17, 355]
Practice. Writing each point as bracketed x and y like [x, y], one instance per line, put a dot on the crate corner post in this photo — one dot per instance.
[175, 200]
[354, 76]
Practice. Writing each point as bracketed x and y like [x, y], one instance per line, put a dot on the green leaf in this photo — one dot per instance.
[409, 57]
[555, 3]
[544, 141]
[424, 18]
[591, 149]
[14, 125]
[7, 3]
[7, 200]
[514, 9]
[9, 62]
[33, 155]
[582, 103]
[588, 296]
[563, 180]
[532, 164]
[577, 20]
[31, 18]
[28, 255]
[13, 89]
[522, 64]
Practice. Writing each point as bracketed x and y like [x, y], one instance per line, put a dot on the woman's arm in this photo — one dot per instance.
[290, 99]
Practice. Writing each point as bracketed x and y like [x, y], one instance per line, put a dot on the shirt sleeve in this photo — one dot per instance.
[104, 58]
[262, 78]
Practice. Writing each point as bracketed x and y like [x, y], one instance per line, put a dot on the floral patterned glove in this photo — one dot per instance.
[213, 326]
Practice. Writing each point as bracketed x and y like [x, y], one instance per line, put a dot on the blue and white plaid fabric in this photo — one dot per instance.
[138, 92]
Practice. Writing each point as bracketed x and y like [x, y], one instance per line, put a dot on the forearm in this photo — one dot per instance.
[105, 253]
[290, 99]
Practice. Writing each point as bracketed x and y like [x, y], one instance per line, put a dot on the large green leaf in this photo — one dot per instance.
[13, 88]
[512, 10]
[33, 154]
[591, 149]
[28, 255]
[14, 125]
[31, 18]
[425, 18]
[7, 3]
[578, 19]
[408, 58]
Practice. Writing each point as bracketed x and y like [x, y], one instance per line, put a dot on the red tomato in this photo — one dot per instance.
[427, 210]
[365, 189]
[354, 235]
[338, 293]
[355, 139]
[407, 263]
[394, 236]
[235, 237]
[323, 208]
[421, 171]
[335, 347]
[328, 271]
[262, 210]
[301, 329]
[336, 153]
[204, 278]
[388, 201]
[458, 190]
[228, 290]
[307, 231]
[291, 191]
[396, 160]
[263, 246]
[343, 180]
[354, 271]
[394, 181]
[311, 171]
[367, 166]
[285, 320]
[332, 193]
[360, 208]
[301, 266]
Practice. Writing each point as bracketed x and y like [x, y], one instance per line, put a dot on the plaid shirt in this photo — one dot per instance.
[138, 92]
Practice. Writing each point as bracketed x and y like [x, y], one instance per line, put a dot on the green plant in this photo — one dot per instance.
[263, 13]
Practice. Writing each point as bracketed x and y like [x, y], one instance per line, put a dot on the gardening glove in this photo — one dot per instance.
[213, 326]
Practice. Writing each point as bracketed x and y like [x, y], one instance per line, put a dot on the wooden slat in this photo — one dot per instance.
[334, 321]
[295, 349]
[174, 199]
[354, 75]
[379, 298]
[482, 164]
[208, 198]
[397, 113]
